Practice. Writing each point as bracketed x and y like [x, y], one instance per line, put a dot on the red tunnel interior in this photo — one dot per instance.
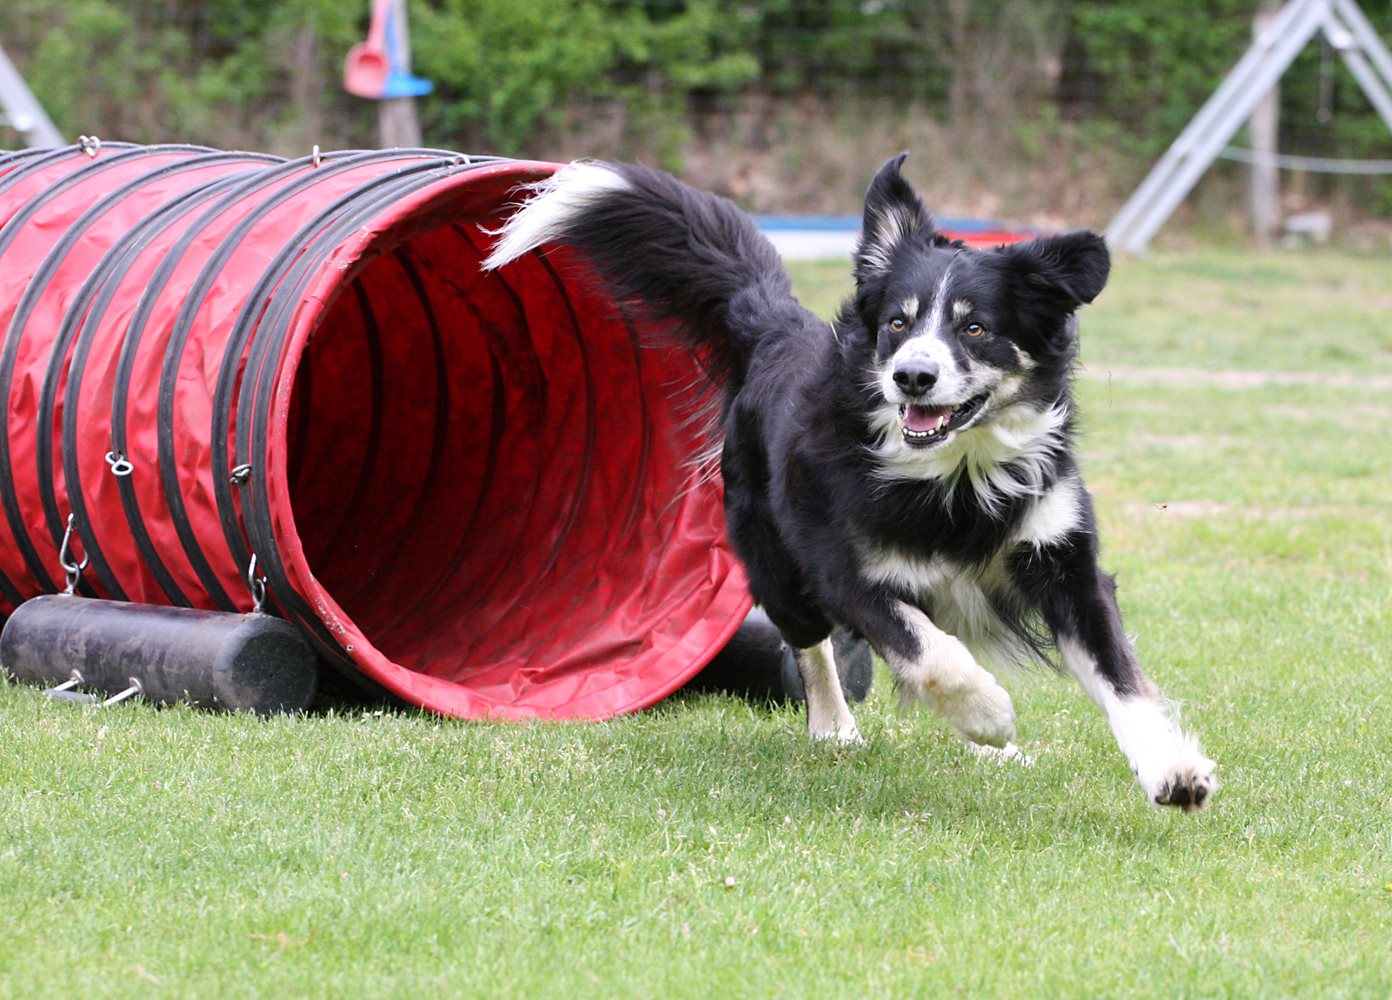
[496, 482]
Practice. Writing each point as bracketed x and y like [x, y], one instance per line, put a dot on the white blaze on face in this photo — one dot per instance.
[929, 346]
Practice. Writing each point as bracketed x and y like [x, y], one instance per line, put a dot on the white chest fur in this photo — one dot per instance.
[962, 599]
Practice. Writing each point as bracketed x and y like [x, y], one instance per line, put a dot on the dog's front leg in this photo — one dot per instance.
[937, 668]
[1079, 604]
[828, 715]
[928, 664]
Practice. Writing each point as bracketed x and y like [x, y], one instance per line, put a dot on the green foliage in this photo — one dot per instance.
[1124, 76]
[504, 68]
[1155, 64]
[1158, 63]
[501, 67]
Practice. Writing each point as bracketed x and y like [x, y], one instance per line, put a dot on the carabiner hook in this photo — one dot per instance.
[72, 569]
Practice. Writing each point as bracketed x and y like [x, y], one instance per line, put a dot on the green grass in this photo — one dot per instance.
[705, 848]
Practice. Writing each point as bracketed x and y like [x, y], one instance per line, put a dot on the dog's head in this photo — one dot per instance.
[952, 336]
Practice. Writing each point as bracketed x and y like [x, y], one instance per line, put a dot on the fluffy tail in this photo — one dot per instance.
[690, 259]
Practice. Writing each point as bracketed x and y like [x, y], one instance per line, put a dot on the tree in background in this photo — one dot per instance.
[1065, 103]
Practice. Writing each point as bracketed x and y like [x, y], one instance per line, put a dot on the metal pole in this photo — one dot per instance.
[1263, 176]
[1208, 132]
[1357, 47]
[22, 109]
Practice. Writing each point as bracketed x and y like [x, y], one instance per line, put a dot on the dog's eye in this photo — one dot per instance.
[897, 324]
[975, 329]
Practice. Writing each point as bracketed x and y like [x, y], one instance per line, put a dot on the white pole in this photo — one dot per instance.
[23, 112]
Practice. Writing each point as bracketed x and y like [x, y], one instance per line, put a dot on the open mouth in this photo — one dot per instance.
[925, 426]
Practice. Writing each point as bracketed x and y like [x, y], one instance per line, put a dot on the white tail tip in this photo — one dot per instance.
[554, 204]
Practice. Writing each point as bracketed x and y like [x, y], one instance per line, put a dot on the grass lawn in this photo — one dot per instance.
[705, 848]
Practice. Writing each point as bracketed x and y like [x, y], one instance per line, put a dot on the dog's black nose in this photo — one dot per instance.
[914, 378]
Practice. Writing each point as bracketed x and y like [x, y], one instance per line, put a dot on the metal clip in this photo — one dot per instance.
[89, 144]
[240, 475]
[120, 465]
[65, 558]
[257, 586]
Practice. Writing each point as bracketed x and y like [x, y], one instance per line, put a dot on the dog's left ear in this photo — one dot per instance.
[893, 213]
[1068, 270]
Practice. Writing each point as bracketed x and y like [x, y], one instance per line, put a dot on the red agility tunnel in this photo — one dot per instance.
[473, 491]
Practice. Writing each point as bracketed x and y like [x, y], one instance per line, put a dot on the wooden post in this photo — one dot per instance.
[1263, 177]
[397, 124]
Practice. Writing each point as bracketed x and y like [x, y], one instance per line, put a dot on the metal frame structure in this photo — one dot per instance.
[1232, 104]
[21, 110]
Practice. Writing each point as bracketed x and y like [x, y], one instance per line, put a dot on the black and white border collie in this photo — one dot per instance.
[906, 470]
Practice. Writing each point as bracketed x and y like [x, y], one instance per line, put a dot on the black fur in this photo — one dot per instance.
[806, 488]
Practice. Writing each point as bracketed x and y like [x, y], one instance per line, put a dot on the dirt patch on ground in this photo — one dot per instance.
[1200, 509]
[1185, 508]
[1235, 378]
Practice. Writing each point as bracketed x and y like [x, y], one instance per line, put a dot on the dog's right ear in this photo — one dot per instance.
[893, 214]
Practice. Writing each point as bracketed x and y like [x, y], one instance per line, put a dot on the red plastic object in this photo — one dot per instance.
[368, 63]
[471, 490]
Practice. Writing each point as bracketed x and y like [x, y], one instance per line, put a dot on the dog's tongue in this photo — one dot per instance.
[925, 418]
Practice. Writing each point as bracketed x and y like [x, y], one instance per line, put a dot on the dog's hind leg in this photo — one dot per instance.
[828, 715]
[1079, 604]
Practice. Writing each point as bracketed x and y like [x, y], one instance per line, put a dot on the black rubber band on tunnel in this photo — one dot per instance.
[254, 305]
[16, 169]
[292, 269]
[182, 329]
[9, 157]
[39, 281]
[264, 360]
[229, 191]
[265, 354]
[91, 306]
[12, 227]
[94, 291]
[42, 159]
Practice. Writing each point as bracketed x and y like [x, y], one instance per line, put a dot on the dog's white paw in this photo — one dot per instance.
[1187, 783]
[958, 688]
[980, 711]
[843, 733]
[1166, 760]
